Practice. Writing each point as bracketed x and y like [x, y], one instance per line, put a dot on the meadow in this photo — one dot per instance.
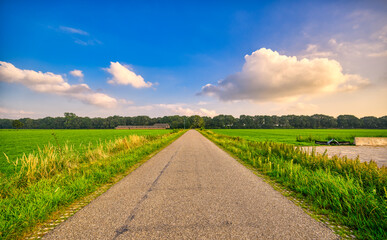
[58, 169]
[301, 137]
[15, 143]
[44, 171]
[347, 192]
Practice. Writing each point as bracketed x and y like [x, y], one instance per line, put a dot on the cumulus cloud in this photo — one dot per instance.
[269, 76]
[123, 76]
[73, 30]
[77, 73]
[54, 84]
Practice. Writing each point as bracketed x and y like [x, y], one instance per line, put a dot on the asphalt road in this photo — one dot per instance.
[191, 190]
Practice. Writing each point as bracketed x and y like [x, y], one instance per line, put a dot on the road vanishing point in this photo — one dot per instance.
[191, 190]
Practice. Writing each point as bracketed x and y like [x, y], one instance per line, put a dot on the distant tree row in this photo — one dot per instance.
[72, 121]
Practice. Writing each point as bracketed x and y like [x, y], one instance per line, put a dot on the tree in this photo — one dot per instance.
[348, 121]
[196, 121]
[324, 121]
[17, 124]
[382, 122]
[72, 120]
[245, 121]
[370, 122]
[220, 121]
[5, 123]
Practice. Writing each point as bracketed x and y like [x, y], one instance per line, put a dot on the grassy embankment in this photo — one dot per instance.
[350, 193]
[301, 137]
[54, 176]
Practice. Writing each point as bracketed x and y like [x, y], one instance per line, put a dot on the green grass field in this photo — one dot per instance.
[58, 170]
[61, 166]
[16, 142]
[306, 136]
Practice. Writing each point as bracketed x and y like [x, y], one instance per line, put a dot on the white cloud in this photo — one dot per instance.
[77, 73]
[79, 36]
[313, 51]
[269, 76]
[201, 103]
[206, 112]
[171, 109]
[125, 102]
[181, 110]
[378, 54]
[123, 76]
[73, 30]
[54, 84]
[380, 35]
[13, 113]
[372, 45]
[359, 48]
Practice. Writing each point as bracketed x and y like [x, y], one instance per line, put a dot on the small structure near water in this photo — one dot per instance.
[333, 142]
[154, 126]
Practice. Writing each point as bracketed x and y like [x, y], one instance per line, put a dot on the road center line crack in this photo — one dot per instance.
[124, 228]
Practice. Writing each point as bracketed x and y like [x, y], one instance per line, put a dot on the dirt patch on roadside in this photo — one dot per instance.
[365, 153]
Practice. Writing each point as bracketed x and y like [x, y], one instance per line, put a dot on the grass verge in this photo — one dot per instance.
[55, 177]
[350, 193]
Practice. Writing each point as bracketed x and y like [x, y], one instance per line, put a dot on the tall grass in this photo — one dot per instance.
[53, 177]
[350, 192]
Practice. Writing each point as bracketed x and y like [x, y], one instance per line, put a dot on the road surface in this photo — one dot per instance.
[191, 190]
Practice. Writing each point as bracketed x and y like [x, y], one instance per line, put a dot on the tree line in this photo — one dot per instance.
[72, 121]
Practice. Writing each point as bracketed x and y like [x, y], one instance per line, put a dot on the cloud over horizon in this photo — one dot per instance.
[172, 109]
[269, 76]
[54, 84]
[124, 76]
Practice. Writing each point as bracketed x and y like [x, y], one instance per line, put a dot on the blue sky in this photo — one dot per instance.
[156, 58]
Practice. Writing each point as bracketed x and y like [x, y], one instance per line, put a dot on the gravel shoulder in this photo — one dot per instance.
[191, 190]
